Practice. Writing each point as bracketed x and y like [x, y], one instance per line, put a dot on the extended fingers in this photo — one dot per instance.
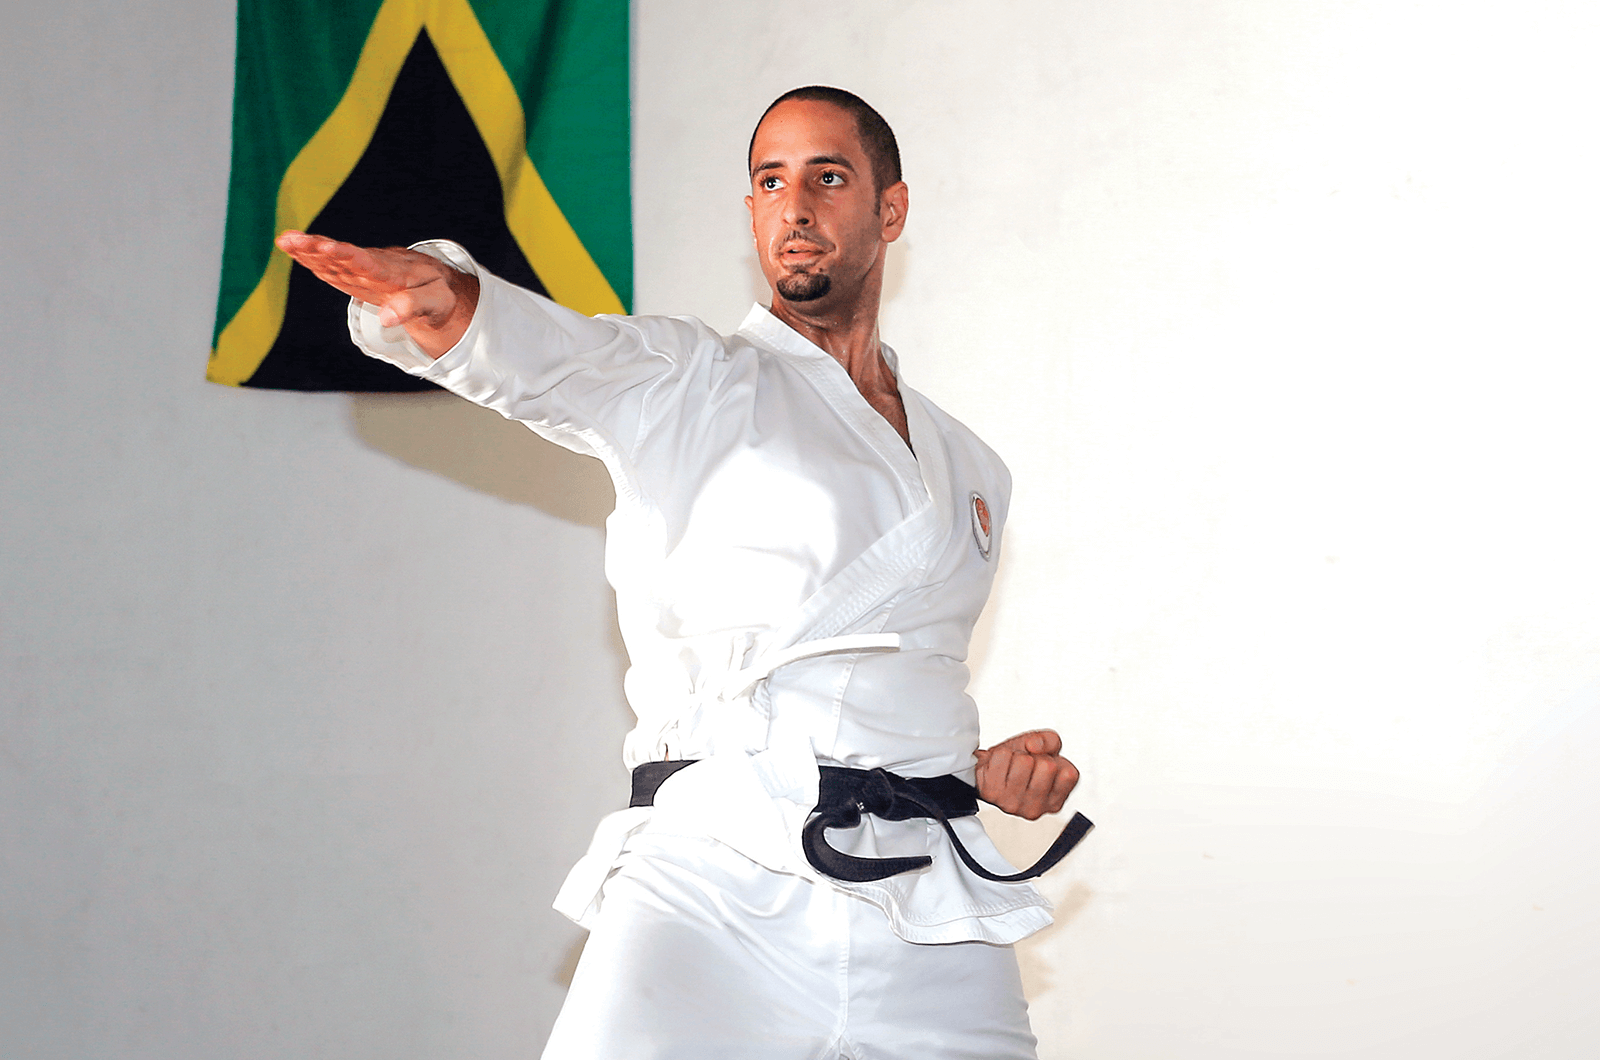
[342, 265]
[317, 252]
[370, 275]
[292, 239]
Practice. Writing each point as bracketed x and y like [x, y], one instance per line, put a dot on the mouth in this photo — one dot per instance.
[800, 250]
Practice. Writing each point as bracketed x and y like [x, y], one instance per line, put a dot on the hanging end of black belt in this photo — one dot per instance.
[841, 866]
[1070, 836]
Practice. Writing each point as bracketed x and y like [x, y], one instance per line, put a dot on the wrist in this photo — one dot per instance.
[436, 333]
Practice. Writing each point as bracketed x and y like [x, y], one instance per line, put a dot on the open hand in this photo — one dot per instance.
[431, 300]
[1026, 775]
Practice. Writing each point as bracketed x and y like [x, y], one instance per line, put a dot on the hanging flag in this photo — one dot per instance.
[500, 124]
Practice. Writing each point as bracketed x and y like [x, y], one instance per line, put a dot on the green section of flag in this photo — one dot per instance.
[568, 60]
[574, 88]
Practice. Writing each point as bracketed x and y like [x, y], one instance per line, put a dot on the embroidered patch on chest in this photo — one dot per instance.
[981, 525]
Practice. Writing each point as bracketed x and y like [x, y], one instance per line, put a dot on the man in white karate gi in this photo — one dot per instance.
[801, 547]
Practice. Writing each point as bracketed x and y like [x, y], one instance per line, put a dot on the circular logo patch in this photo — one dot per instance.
[981, 525]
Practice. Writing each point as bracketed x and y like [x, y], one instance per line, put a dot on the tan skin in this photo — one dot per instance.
[814, 212]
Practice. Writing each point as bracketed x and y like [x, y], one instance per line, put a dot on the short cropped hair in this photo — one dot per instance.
[877, 139]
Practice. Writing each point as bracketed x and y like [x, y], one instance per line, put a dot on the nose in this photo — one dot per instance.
[797, 209]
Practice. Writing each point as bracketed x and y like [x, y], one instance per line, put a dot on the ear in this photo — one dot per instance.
[750, 204]
[892, 209]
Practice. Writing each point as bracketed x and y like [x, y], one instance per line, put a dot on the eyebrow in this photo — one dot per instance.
[814, 160]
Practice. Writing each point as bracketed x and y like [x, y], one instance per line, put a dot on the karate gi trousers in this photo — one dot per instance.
[698, 953]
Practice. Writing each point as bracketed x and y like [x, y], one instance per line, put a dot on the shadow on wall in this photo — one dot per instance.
[484, 451]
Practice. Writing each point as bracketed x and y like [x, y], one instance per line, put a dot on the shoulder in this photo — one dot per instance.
[962, 441]
[681, 338]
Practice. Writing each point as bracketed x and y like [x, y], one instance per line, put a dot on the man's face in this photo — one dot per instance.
[820, 228]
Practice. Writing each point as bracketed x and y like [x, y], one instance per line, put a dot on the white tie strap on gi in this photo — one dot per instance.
[742, 681]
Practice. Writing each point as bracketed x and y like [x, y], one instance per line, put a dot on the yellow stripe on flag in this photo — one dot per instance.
[547, 240]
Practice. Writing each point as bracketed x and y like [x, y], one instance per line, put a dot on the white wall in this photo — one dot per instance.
[1281, 314]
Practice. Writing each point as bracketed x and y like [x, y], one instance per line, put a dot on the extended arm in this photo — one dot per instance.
[1026, 775]
[431, 300]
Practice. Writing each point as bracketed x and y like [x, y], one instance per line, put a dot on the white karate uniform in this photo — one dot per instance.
[794, 587]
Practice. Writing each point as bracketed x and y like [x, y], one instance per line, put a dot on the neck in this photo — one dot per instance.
[849, 334]
[846, 332]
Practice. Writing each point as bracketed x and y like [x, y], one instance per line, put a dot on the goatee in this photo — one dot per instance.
[804, 286]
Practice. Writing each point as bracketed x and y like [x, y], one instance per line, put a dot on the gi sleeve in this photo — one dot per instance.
[583, 382]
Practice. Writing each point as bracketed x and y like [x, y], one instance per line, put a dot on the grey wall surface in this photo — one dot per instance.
[294, 751]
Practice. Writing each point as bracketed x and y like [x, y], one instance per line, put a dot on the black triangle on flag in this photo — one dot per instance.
[426, 174]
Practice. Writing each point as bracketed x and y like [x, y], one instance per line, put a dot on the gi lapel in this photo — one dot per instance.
[933, 460]
[855, 599]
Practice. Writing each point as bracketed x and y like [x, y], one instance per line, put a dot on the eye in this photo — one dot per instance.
[831, 178]
[769, 183]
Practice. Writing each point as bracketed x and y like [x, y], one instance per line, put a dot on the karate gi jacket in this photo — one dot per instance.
[793, 585]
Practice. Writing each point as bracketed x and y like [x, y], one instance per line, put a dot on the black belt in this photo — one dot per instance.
[845, 794]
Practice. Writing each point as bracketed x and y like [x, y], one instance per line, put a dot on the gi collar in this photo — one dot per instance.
[760, 324]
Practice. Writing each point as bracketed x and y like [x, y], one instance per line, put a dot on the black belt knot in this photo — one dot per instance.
[844, 794]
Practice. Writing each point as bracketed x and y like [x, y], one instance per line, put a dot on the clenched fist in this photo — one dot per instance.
[1026, 775]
